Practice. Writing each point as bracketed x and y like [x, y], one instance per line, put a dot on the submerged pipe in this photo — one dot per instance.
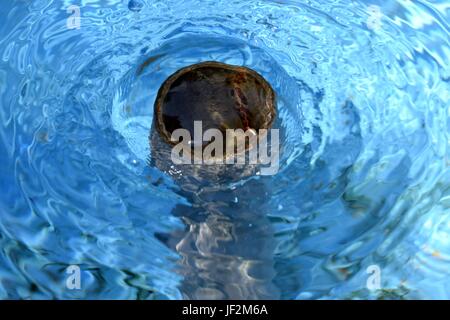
[227, 248]
[222, 96]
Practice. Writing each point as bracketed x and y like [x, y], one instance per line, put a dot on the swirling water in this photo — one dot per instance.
[363, 107]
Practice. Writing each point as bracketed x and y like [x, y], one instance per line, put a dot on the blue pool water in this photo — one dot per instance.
[363, 97]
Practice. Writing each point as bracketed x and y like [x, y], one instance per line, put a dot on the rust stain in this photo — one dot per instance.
[147, 62]
[238, 80]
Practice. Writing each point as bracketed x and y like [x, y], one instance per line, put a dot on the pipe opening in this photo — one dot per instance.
[222, 96]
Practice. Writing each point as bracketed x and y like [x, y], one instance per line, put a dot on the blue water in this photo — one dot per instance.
[363, 97]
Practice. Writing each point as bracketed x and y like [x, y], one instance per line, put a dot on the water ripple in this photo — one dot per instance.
[362, 89]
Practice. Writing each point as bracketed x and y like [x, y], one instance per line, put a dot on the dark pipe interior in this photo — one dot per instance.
[222, 96]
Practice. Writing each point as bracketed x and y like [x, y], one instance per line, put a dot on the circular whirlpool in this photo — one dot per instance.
[363, 181]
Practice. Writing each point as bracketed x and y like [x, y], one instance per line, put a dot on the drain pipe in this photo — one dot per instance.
[227, 247]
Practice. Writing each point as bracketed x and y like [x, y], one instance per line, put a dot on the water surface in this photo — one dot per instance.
[363, 109]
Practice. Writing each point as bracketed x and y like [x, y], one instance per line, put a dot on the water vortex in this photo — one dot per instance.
[363, 109]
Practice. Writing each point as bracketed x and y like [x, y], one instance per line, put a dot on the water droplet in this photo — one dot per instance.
[135, 5]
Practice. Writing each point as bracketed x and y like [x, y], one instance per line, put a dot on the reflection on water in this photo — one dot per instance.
[226, 253]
